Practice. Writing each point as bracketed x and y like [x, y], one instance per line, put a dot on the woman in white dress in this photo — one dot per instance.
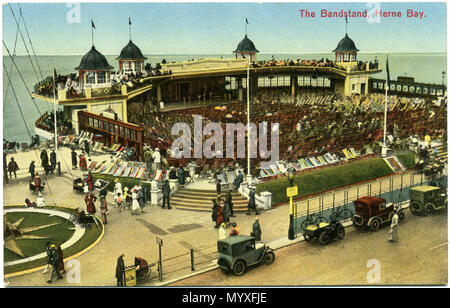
[135, 204]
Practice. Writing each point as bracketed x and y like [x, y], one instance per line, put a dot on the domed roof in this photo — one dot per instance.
[346, 45]
[246, 45]
[93, 60]
[131, 52]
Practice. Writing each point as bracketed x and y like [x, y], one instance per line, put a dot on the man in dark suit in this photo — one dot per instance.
[120, 271]
[166, 194]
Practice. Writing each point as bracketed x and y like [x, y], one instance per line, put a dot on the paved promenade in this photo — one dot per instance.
[136, 235]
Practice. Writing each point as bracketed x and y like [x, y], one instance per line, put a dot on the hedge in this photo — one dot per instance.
[327, 178]
[407, 159]
[125, 181]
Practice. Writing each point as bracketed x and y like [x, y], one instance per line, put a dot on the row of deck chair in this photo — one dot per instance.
[301, 164]
[119, 168]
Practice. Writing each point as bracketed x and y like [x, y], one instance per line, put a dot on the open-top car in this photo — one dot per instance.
[324, 231]
[372, 212]
[239, 252]
[427, 199]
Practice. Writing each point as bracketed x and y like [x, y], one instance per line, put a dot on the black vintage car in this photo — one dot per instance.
[238, 252]
[325, 232]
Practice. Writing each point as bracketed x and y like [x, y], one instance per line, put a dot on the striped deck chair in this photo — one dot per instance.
[100, 166]
[302, 163]
[353, 151]
[282, 168]
[262, 173]
[134, 172]
[274, 169]
[296, 166]
[114, 169]
[119, 171]
[140, 174]
[347, 155]
[310, 164]
[322, 160]
[313, 161]
[158, 175]
[92, 165]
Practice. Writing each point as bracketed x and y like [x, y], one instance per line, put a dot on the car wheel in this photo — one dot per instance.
[401, 215]
[324, 238]
[374, 224]
[269, 257]
[358, 221]
[429, 209]
[414, 207]
[341, 233]
[239, 268]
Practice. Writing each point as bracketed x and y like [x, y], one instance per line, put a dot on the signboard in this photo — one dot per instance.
[292, 191]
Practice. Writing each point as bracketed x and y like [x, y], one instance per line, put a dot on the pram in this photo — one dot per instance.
[85, 221]
[143, 271]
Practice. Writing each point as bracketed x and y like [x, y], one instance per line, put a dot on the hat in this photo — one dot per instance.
[223, 224]
[116, 180]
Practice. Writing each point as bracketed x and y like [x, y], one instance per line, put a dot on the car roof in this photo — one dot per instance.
[425, 188]
[237, 239]
[370, 200]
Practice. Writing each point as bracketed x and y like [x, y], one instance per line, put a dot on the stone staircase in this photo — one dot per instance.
[442, 152]
[200, 200]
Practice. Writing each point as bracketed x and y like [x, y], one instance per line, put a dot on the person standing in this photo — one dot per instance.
[103, 208]
[44, 159]
[120, 271]
[180, 174]
[54, 261]
[12, 168]
[53, 161]
[31, 170]
[135, 204]
[229, 200]
[225, 211]
[251, 202]
[74, 159]
[393, 233]
[5, 167]
[218, 187]
[157, 159]
[214, 212]
[90, 199]
[86, 147]
[90, 181]
[117, 187]
[256, 230]
[166, 194]
[239, 179]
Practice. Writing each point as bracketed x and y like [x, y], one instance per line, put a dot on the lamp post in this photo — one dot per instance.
[291, 191]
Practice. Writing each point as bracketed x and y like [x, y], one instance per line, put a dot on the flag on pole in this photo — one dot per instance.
[92, 23]
[129, 21]
[246, 20]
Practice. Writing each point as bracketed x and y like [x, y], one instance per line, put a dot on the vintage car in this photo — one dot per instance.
[325, 232]
[372, 212]
[427, 199]
[239, 252]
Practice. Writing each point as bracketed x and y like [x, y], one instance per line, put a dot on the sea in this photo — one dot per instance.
[423, 67]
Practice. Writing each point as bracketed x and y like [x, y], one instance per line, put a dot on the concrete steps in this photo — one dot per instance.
[201, 200]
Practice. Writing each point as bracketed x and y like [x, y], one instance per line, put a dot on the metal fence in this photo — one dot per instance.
[193, 260]
[339, 204]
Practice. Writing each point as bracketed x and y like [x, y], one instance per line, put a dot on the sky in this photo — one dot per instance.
[217, 28]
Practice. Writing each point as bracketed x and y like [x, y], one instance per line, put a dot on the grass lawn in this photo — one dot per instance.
[407, 159]
[327, 178]
[56, 234]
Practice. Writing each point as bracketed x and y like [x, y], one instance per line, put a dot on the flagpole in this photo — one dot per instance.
[249, 177]
[54, 108]
[384, 148]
